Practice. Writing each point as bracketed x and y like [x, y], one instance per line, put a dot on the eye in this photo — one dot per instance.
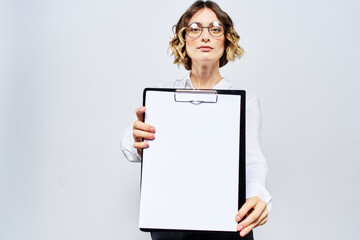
[215, 29]
[194, 27]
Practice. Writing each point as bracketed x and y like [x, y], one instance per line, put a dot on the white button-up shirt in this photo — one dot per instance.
[256, 166]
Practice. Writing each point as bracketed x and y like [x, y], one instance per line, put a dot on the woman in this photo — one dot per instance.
[204, 41]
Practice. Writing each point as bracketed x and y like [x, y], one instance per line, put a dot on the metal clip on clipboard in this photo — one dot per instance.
[196, 96]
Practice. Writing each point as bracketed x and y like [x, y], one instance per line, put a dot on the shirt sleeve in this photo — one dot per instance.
[127, 146]
[127, 140]
[256, 166]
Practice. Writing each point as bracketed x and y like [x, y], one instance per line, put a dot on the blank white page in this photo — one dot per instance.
[190, 172]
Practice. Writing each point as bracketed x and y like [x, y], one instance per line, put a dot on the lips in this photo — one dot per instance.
[205, 47]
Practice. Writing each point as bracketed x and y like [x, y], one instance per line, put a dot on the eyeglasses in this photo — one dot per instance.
[195, 29]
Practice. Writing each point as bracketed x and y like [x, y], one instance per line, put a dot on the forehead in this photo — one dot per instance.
[204, 16]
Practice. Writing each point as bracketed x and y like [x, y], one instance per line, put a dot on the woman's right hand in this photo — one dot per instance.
[141, 131]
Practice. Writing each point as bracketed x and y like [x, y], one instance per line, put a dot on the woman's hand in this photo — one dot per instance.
[142, 130]
[256, 215]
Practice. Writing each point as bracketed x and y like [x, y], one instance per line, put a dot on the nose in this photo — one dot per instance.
[205, 36]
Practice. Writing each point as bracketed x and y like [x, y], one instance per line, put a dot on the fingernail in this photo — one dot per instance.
[237, 218]
[152, 129]
[239, 227]
[151, 135]
[243, 233]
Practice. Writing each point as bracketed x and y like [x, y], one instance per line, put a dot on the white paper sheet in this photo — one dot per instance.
[190, 172]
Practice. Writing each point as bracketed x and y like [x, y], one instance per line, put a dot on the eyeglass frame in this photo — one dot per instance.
[202, 29]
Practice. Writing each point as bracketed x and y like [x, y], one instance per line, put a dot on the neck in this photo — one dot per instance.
[205, 76]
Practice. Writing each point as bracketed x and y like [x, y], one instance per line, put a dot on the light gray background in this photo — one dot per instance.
[72, 74]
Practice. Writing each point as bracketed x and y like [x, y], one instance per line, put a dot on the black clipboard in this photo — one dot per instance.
[184, 185]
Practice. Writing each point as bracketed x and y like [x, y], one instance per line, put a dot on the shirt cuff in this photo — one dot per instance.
[260, 191]
[127, 146]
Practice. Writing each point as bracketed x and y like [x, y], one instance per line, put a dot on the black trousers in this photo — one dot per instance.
[199, 235]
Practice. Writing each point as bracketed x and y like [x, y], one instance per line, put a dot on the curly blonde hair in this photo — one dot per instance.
[177, 45]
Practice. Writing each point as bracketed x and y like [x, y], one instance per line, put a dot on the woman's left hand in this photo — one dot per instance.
[256, 215]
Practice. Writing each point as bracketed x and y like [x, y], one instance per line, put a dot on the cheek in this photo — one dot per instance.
[221, 45]
[189, 46]
[189, 42]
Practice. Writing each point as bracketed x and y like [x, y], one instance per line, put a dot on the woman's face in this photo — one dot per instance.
[205, 48]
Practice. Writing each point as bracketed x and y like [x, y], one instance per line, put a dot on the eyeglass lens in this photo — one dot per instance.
[195, 29]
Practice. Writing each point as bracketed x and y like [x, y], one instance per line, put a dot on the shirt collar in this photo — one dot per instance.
[223, 84]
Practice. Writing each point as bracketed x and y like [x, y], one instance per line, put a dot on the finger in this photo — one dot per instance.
[256, 223]
[139, 113]
[262, 222]
[254, 215]
[142, 134]
[143, 126]
[141, 145]
[263, 216]
[245, 231]
[246, 207]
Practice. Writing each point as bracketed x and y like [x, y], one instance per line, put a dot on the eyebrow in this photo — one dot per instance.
[204, 24]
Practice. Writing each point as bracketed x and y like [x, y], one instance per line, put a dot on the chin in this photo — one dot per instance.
[206, 60]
